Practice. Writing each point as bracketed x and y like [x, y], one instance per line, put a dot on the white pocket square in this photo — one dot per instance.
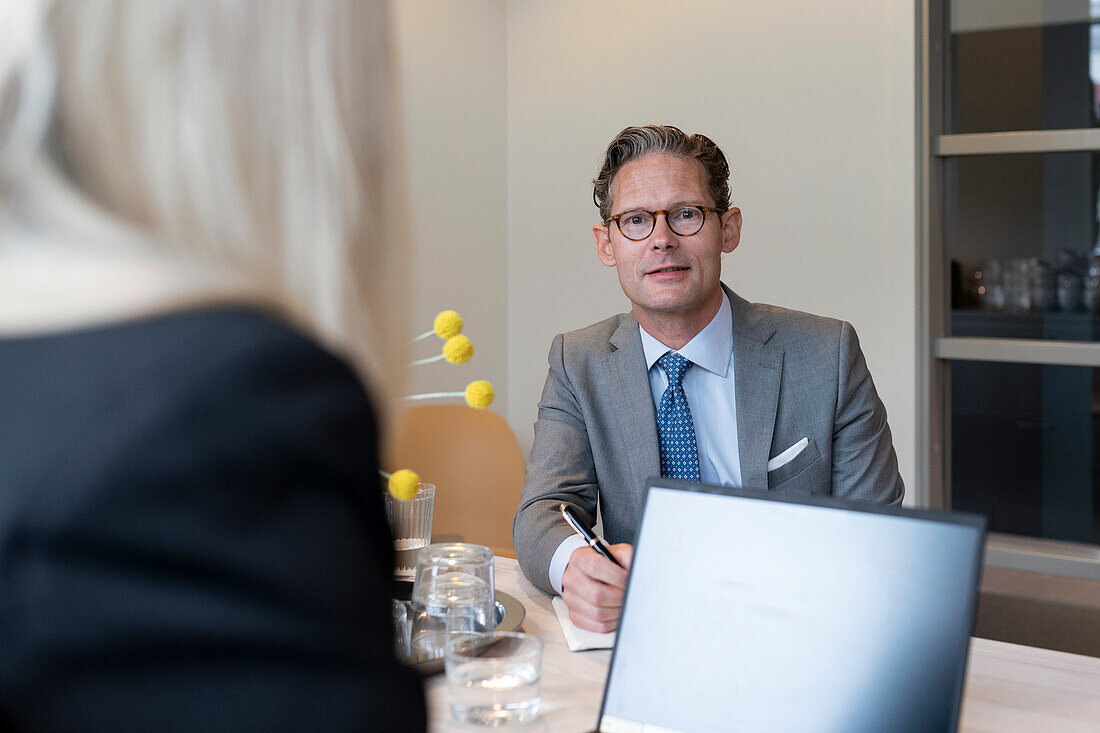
[788, 455]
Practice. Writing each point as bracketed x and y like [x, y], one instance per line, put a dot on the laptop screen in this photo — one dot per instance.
[755, 614]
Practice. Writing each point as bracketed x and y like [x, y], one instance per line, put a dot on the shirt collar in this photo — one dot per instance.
[711, 348]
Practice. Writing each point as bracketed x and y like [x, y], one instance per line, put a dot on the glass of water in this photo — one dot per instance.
[493, 678]
[453, 594]
[411, 523]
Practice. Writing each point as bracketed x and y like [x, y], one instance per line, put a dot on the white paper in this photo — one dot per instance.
[579, 639]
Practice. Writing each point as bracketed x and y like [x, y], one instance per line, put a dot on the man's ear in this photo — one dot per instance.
[731, 229]
[603, 245]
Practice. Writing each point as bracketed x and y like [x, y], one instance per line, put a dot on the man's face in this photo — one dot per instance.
[667, 274]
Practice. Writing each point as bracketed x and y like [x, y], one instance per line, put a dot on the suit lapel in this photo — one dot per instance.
[758, 370]
[635, 414]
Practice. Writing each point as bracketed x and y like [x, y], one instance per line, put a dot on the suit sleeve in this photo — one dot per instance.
[561, 469]
[227, 566]
[865, 467]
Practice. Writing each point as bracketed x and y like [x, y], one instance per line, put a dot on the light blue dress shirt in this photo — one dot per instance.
[712, 398]
[711, 394]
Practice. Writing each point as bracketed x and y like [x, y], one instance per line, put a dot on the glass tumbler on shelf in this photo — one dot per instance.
[453, 594]
[990, 288]
[411, 523]
[493, 679]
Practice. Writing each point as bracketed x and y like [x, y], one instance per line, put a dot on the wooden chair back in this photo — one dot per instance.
[474, 459]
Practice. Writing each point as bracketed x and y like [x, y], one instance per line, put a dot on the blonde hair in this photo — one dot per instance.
[256, 135]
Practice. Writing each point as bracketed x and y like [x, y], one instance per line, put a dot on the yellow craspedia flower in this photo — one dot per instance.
[447, 324]
[458, 349]
[479, 394]
[404, 484]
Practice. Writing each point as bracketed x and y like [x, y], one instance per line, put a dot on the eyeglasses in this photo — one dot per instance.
[683, 220]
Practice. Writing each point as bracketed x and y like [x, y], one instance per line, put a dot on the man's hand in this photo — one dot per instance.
[592, 587]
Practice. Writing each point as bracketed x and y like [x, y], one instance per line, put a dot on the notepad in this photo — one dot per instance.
[579, 639]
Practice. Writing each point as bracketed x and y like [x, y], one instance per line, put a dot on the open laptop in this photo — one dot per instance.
[750, 612]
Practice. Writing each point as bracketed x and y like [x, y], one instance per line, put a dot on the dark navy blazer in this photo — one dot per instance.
[191, 533]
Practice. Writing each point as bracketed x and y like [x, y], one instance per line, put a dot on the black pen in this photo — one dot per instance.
[593, 541]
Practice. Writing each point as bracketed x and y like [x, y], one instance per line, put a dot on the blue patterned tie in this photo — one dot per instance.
[679, 454]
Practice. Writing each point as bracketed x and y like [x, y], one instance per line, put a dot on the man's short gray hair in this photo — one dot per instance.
[634, 142]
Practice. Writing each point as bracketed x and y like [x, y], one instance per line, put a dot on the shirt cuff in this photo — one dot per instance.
[561, 559]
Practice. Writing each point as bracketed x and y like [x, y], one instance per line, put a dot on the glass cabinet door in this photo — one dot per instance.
[1014, 134]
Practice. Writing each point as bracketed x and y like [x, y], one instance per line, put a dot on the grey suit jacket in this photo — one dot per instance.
[797, 375]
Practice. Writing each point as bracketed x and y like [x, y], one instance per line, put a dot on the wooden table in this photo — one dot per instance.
[1008, 687]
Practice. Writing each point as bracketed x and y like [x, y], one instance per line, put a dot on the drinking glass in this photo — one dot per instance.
[400, 628]
[411, 523]
[453, 594]
[493, 678]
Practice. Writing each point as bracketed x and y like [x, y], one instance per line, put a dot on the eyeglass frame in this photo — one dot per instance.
[655, 215]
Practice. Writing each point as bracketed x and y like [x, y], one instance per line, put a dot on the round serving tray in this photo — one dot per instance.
[509, 615]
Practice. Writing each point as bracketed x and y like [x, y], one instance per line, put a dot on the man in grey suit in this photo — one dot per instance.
[694, 383]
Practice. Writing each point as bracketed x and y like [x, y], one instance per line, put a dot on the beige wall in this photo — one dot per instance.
[812, 102]
[452, 64]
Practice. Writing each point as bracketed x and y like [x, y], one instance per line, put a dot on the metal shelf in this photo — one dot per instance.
[1022, 351]
[1031, 141]
[1043, 556]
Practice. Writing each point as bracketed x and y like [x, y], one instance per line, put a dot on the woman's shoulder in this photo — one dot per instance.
[211, 331]
[244, 354]
[186, 339]
[236, 363]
